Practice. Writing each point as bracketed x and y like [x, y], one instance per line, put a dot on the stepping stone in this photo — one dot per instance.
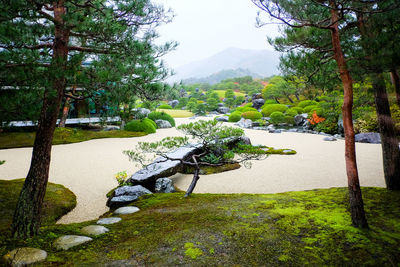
[110, 220]
[330, 138]
[126, 210]
[66, 242]
[94, 230]
[25, 256]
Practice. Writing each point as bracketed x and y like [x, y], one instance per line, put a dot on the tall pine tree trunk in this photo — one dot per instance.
[390, 143]
[396, 83]
[65, 112]
[26, 221]
[355, 197]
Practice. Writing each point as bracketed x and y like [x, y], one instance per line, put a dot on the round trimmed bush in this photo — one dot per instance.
[298, 109]
[291, 112]
[252, 115]
[245, 109]
[235, 116]
[155, 115]
[143, 125]
[164, 106]
[269, 109]
[152, 122]
[277, 117]
[306, 103]
[289, 119]
[269, 102]
[309, 109]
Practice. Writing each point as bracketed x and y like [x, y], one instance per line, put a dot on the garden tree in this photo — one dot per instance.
[314, 21]
[278, 87]
[378, 24]
[394, 74]
[271, 91]
[212, 103]
[229, 98]
[42, 46]
[218, 145]
[239, 100]
[192, 103]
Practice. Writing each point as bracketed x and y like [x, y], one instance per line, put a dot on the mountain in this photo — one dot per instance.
[222, 75]
[261, 62]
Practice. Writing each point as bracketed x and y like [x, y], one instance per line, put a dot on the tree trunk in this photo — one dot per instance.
[276, 99]
[65, 112]
[297, 96]
[196, 177]
[355, 197]
[396, 83]
[390, 143]
[288, 97]
[26, 221]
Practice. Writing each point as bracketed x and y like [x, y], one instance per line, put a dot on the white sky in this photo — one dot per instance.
[206, 27]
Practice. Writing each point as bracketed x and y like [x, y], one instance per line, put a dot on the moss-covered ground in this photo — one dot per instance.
[61, 136]
[287, 229]
[177, 113]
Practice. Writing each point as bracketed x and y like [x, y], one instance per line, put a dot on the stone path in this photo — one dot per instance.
[25, 256]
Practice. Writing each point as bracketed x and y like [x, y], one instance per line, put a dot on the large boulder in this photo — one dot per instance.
[244, 123]
[162, 124]
[256, 96]
[173, 103]
[125, 195]
[221, 104]
[340, 126]
[223, 110]
[164, 185]
[372, 138]
[301, 119]
[141, 112]
[258, 103]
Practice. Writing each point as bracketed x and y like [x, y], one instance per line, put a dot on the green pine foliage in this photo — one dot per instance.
[164, 106]
[252, 115]
[235, 116]
[306, 103]
[277, 117]
[268, 109]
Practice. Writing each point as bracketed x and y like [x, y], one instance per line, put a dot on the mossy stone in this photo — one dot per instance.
[24, 256]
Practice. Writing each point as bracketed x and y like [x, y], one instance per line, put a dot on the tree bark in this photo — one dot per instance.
[26, 221]
[65, 112]
[196, 177]
[355, 197]
[277, 101]
[390, 143]
[288, 97]
[396, 83]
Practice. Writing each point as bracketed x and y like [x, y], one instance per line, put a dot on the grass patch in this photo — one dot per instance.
[221, 93]
[61, 136]
[57, 202]
[177, 113]
[287, 229]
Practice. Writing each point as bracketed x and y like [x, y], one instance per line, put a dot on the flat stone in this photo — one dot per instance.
[66, 242]
[25, 256]
[164, 185]
[94, 230]
[126, 210]
[287, 151]
[330, 138]
[372, 138]
[110, 220]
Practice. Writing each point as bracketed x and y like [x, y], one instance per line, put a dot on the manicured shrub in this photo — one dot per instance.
[277, 117]
[164, 106]
[298, 109]
[289, 119]
[269, 109]
[161, 116]
[252, 115]
[152, 122]
[269, 102]
[306, 103]
[328, 126]
[291, 112]
[200, 109]
[311, 109]
[248, 105]
[366, 125]
[143, 125]
[235, 116]
[245, 109]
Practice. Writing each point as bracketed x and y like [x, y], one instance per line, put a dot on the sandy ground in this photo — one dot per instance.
[88, 168]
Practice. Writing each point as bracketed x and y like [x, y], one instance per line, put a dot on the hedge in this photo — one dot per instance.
[269, 109]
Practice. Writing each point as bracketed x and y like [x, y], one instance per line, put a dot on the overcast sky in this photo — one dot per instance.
[206, 27]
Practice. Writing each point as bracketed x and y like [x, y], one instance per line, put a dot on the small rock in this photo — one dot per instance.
[330, 138]
[111, 128]
[223, 110]
[126, 210]
[287, 151]
[66, 242]
[337, 136]
[244, 123]
[173, 103]
[372, 138]
[116, 202]
[223, 118]
[25, 256]
[94, 230]
[163, 124]
[292, 130]
[109, 220]
[258, 103]
[164, 185]
[275, 131]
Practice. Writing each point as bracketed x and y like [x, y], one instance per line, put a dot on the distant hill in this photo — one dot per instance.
[259, 62]
[222, 75]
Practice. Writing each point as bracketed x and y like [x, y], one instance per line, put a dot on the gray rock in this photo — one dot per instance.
[116, 202]
[292, 130]
[126, 210]
[340, 126]
[338, 136]
[125, 195]
[271, 128]
[164, 185]
[256, 96]
[287, 151]
[109, 220]
[66, 242]
[223, 118]
[330, 138]
[111, 128]
[255, 124]
[173, 103]
[372, 138]
[162, 124]
[275, 131]
[244, 123]
[223, 110]
[25, 256]
[299, 120]
[220, 105]
[161, 168]
[258, 103]
[94, 230]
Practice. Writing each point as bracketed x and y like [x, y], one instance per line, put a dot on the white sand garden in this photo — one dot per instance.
[88, 168]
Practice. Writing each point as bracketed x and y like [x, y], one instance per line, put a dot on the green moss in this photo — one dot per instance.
[61, 136]
[210, 169]
[289, 229]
